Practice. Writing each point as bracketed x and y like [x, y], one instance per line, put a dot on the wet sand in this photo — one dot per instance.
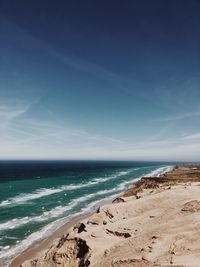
[155, 223]
[37, 248]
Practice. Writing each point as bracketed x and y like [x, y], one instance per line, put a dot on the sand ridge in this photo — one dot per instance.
[155, 223]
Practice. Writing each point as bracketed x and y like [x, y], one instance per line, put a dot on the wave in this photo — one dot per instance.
[26, 197]
[42, 192]
[7, 255]
[158, 172]
[59, 210]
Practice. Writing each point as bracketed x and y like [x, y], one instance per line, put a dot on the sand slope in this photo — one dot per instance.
[155, 223]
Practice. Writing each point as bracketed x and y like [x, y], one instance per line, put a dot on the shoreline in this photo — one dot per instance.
[40, 246]
[43, 244]
[155, 223]
[36, 248]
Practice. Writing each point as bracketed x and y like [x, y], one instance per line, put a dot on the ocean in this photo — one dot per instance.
[38, 197]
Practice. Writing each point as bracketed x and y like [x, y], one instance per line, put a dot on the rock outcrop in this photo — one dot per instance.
[69, 252]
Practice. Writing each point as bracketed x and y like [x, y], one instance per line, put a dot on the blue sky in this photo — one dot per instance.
[100, 80]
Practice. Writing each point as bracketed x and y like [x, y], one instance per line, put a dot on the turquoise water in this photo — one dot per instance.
[38, 197]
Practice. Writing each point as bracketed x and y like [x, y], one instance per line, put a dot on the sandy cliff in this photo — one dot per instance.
[155, 223]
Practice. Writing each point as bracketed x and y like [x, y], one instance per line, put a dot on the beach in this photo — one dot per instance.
[154, 223]
[39, 198]
[99, 133]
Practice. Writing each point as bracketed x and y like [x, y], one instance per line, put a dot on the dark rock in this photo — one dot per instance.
[120, 234]
[118, 200]
[62, 240]
[80, 228]
[98, 210]
[77, 251]
[107, 212]
[92, 222]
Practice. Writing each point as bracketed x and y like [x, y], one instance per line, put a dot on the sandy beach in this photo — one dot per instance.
[155, 223]
[100, 133]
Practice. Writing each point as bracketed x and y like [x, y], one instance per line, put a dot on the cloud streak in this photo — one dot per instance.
[8, 113]
[181, 116]
[69, 59]
[21, 133]
[195, 136]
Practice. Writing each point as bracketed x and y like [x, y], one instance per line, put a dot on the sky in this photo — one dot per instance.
[113, 80]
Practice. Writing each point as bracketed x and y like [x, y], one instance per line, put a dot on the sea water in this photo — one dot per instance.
[37, 197]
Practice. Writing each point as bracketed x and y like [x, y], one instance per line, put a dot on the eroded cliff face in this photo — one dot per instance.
[69, 252]
[155, 223]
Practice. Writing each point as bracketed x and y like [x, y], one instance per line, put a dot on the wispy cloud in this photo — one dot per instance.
[10, 113]
[68, 59]
[51, 131]
[23, 134]
[82, 65]
[181, 116]
[192, 136]
[12, 109]
[27, 136]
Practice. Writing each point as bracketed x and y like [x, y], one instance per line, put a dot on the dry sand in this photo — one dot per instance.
[155, 223]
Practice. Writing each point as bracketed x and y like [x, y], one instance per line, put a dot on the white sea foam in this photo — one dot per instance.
[158, 172]
[26, 197]
[53, 213]
[59, 210]
[8, 254]
[22, 198]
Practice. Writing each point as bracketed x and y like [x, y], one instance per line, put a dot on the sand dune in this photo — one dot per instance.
[155, 223]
